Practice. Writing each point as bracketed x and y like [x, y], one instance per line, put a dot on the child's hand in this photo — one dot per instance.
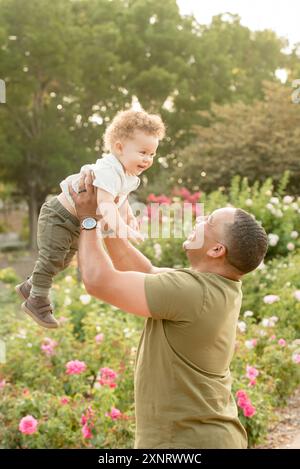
[134, 224]
[135, 236]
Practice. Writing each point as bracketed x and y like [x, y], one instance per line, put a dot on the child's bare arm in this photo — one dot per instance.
[131, 219]
[123, 210]
[128, 216]
[111, 217]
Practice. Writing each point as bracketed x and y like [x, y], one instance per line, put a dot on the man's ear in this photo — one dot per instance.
[218, 250]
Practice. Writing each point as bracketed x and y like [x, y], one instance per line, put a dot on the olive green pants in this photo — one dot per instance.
[57, 240]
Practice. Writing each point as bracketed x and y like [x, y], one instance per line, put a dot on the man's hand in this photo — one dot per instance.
[86, 199]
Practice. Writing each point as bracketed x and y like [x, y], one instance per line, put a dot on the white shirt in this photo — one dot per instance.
[109, 175]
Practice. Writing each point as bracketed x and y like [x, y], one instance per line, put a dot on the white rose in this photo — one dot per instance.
[274, 200]
[85, 299]
[288, 199]
[273, 239]
[67, 301]
[249, 344]
[242, 326]
[248, 314]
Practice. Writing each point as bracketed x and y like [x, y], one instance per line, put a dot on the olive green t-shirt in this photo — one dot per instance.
[182, 379]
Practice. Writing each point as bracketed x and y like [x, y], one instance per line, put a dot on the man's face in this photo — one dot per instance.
[208, 231]
[137, 153]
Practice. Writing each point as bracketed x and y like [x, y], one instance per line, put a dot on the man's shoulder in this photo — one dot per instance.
[182, 279]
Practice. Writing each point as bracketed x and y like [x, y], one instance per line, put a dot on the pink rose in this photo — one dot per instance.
[86, 431]
[252, 372]
[114, 414]
[184, 192]
[242, 402]
[88, 416]
[194, 198]
[151, 198]
[252, 382]
[75, 367]
[282, 342]
[28, 425]
[2, 383]
[48, 346]
[245, 403]
[63, 319]
[241, 394]
[99, 338]
[64, 400]
[296, 357]
[108, 377]
[249, 410]
[163, 199]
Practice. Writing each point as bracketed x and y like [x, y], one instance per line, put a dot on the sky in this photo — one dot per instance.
[283, 16]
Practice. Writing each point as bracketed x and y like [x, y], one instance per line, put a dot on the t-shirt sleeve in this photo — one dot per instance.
[108, 179]
[175, 296]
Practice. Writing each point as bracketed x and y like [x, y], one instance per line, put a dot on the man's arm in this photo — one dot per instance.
[126, 257]
[122, 289]
[123, 254]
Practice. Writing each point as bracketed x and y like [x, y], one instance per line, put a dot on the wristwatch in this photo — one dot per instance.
[89, 223]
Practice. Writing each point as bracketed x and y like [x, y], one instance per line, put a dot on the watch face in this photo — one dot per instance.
[89, 223]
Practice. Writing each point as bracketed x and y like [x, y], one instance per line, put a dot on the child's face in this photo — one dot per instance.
[137, 153]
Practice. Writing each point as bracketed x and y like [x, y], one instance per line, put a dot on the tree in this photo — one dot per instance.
[257, 140]
[35, 60]
[220, 63]
[65, 61]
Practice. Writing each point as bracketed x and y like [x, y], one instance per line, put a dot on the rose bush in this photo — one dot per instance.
[75, 383]
[73, 387]
[278, 212]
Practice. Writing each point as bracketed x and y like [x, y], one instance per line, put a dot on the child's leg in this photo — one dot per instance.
[53, 240]
[58, 234]
[58, 231]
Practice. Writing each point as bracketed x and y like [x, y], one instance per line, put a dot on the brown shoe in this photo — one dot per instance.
[40, 309]
[23, 289]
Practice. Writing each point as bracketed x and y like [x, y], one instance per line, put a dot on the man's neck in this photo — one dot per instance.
[216, 269]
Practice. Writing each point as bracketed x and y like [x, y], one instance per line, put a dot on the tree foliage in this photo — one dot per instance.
[256, 140]
[65, 61]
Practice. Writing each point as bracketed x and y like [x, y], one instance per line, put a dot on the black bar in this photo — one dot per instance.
[133, 458]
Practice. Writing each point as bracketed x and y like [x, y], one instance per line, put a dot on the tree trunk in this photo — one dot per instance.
[33, 217]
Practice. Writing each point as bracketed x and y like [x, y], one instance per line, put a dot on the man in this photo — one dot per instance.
[182, 378]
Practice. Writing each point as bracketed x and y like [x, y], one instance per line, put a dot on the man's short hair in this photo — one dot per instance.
[246, 242]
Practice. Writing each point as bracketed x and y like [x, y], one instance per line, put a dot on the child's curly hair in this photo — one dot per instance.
[125, 123]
